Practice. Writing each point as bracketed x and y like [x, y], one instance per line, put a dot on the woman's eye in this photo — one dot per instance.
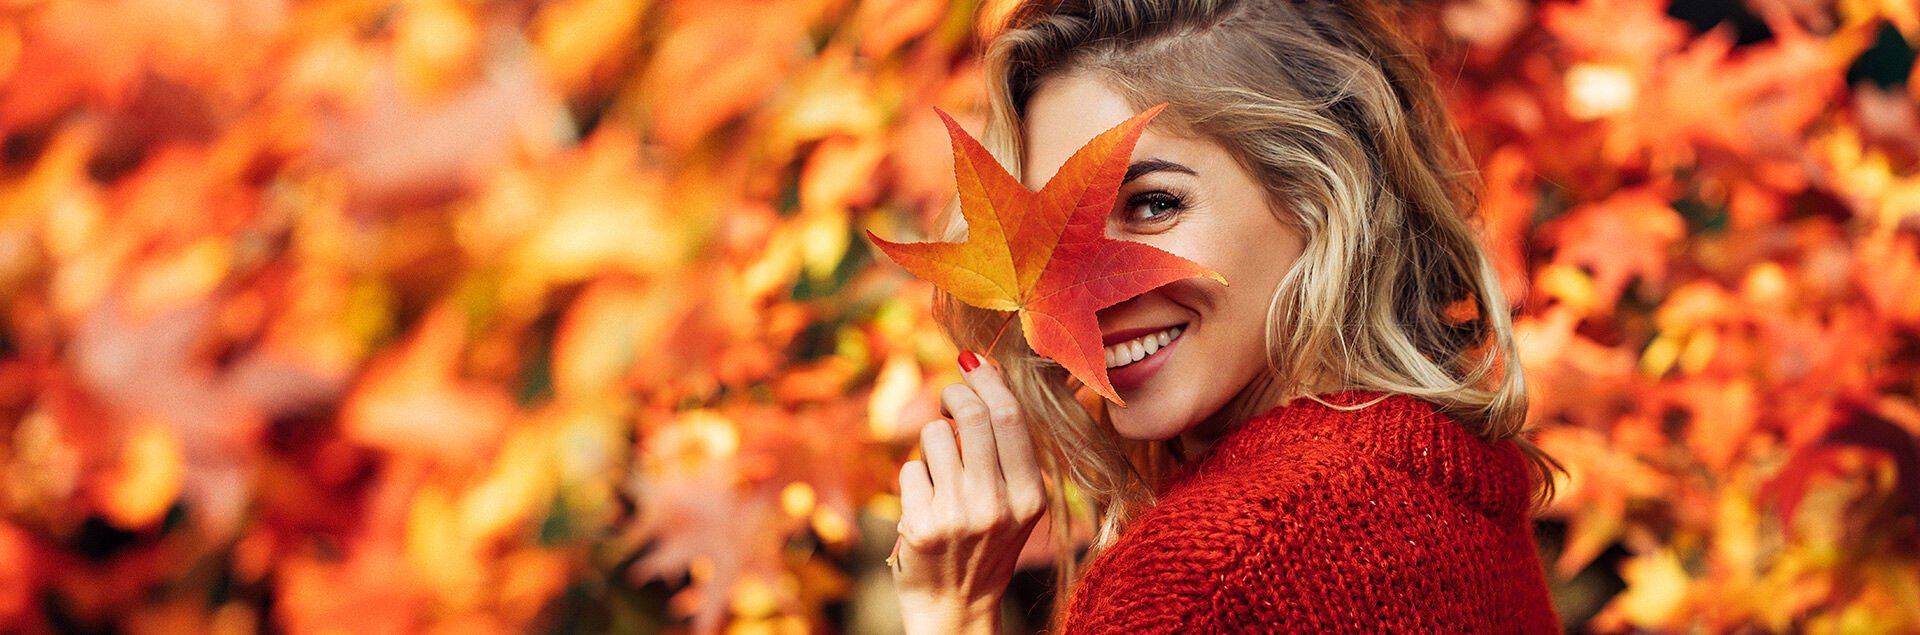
[1152, 207]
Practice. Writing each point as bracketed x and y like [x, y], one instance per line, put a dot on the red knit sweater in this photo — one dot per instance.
[1390, 518]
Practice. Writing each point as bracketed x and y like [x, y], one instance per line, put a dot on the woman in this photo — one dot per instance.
[1333, 440]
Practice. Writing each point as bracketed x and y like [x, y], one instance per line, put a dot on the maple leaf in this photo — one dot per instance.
[1045, 254]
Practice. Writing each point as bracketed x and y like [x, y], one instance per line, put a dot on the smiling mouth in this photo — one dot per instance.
[1139, 348]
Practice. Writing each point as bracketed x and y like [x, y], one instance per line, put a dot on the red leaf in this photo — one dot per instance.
[1045, 254]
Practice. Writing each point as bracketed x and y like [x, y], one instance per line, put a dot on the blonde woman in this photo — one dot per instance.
[1330, 442]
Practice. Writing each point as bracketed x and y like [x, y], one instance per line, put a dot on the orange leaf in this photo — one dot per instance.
[1045, 254]
[414, 402]
[1620, 238]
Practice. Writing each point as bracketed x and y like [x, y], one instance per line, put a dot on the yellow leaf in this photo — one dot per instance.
[1657, 590]
[1569, 285]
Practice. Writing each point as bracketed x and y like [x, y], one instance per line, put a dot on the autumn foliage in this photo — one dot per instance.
[362, 316]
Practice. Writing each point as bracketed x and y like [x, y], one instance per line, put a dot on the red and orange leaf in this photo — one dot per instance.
[1045, 254]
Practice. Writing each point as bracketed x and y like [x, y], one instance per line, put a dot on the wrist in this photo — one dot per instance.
[928, 616]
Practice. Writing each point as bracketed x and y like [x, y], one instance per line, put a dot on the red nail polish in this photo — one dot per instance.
[968, 361]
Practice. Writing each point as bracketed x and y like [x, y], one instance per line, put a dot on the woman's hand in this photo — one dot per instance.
[967, 507]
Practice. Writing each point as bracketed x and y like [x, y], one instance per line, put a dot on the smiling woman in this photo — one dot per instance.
[1330, 441]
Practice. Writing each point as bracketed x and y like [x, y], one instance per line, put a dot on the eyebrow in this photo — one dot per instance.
[1149, 166]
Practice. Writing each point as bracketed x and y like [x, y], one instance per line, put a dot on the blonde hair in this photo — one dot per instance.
[1331, 108]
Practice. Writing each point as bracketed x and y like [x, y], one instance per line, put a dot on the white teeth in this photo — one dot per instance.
[1140, 348]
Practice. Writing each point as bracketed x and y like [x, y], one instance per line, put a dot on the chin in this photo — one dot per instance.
[1164, 406]
[1141, 421]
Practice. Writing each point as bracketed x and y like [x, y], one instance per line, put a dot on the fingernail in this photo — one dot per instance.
[968, 361]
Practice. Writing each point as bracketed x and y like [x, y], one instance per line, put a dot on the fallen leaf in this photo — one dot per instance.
[1045, 254]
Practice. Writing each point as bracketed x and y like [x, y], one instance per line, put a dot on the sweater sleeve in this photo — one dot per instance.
[1202, 561]
[1168, 577]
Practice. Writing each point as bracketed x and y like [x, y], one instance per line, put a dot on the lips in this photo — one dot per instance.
[1128, 370]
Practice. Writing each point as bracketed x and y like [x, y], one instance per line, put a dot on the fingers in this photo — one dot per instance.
[1015, 446]
[916, 485]
[916, 493]
[942, 456]
[1017, 462]
[979, 476]
[979, 459]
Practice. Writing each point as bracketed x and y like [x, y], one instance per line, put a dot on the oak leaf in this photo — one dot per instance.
[1045, 254]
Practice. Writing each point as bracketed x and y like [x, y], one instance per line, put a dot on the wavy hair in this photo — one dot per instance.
[1334, 111]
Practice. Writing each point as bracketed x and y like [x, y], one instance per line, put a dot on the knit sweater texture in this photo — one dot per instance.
[1389, 518]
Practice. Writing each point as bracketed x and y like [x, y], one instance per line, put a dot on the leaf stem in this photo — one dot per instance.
[1002, 331]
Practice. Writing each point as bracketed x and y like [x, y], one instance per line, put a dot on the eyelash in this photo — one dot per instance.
[1169, 204]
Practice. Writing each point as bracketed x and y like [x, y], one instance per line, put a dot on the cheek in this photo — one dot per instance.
[1246, 242]
[1254, 262]
[1254, 269]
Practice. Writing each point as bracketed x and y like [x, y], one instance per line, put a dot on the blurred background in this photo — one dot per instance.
[468, 316]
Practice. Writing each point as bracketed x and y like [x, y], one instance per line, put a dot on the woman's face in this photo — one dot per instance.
[1188, 196]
